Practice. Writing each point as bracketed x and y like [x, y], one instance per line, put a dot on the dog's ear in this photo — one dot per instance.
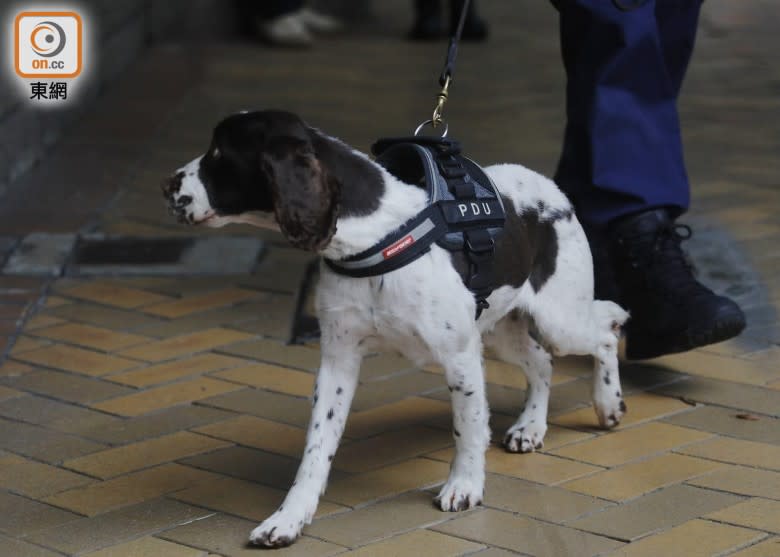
[305, 195]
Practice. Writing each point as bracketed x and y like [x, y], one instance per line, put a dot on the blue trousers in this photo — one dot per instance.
[625, 62]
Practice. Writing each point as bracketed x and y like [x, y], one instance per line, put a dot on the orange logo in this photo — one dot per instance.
[48, 44]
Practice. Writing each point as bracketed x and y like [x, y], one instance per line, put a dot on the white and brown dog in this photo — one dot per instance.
[330, 199]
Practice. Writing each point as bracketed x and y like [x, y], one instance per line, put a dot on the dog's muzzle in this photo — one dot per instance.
[177, 204]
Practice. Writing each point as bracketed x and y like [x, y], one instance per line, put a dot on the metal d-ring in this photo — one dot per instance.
[427, 122]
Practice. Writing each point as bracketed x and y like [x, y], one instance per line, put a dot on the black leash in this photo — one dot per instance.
[445, 78]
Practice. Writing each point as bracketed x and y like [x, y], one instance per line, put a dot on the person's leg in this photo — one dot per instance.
[622, 150]
[622, 166]
[270, 9]
[428, 23]
[677, 22]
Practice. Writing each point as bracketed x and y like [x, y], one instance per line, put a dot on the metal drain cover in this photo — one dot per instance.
[165, 256]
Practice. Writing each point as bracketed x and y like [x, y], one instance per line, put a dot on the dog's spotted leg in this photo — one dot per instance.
[465, 377]
[607, 393]
[513, 344]
[335, 386]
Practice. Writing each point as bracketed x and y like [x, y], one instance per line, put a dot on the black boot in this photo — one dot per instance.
[428, 22]
[670, 310]
[474, 28]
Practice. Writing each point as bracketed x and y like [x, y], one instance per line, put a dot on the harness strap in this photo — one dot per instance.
[457, 217]
[402, 247]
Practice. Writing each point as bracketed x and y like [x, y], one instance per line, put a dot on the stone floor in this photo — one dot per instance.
[164, 415]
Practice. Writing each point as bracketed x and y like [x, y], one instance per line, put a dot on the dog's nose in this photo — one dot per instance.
[172, 185]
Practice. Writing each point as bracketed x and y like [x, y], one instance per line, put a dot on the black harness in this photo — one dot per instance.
[464, 213]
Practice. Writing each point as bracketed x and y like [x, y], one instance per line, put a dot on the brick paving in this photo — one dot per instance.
[165, 415]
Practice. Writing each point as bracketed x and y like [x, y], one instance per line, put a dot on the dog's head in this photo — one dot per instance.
[259, 161]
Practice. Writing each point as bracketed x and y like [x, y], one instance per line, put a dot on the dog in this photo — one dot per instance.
[271, 169]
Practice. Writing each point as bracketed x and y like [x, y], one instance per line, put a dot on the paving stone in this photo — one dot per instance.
[240, 498]
[40, 254]
[390, 447]
[91, 337]
[759, 514]
[54, 414]
[367, 524]
[226, 535]
[147, 547]
[271, 377]
[275, 352]
[201, 302]
[159, 398]
[100, 497]
[77, 360]
[43, 444]
[66, 386]
[719, 367]
[633, 480]
[625, 445]
[252, 465]
[743, 481]
[28, 344]
[111, 295]
[535, 467]
[40, 321]
[654, 512]
[6, 393]
[390, 480]
[185, 344]
[423, 541]
[259, 433]
[264, 404]
[103, 316]
[20, 548]
[397, 387]
[725, 422]
[11, 368]
[93, 533]
[407, 412]
[525, 534]
[22, 515]
[736, 451]
[33, 479]
[767, 548]
[144, 454]
[641, 408]
[697, 538]
[178, 369]
[550, 504]
[160, 423]
[726, 393]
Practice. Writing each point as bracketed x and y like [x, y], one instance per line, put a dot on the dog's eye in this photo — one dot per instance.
[215, 153]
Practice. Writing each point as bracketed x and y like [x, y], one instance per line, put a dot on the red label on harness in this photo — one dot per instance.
[397, 247]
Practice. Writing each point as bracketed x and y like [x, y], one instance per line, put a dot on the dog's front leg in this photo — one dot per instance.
[333, 391]
[466, 381]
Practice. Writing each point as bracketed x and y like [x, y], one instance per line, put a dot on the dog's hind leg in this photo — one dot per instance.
[466, 380]
[511, 341]
[592, 328]
[607, 395]
[336, 382]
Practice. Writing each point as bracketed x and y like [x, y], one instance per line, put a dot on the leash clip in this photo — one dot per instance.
[441, 98]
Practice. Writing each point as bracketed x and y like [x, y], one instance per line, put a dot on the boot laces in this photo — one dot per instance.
[664, 266]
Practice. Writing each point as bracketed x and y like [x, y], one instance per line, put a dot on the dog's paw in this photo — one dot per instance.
[278, 530]
[525, 438]
[459, 495]
[610, 412]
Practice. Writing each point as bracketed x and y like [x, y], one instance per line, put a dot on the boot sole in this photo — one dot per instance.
[641, 345]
